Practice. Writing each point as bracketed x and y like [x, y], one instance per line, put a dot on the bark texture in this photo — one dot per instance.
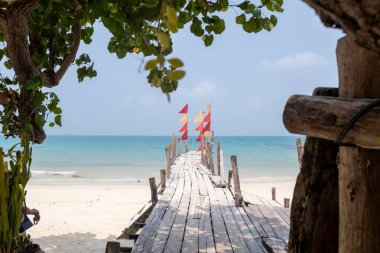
[359, 19]
[359, 169]
[314, 214]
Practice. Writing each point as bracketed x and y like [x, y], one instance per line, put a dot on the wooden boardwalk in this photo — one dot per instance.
[193, 215]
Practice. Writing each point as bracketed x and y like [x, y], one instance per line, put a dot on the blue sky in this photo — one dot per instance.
[246, 77]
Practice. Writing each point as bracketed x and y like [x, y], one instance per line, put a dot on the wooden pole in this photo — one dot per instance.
[359, 168]
[218, 156]
[286, 202]
[210, 158]
[299, 151]
[274, 193]
[229, 179]
[186, 147]
[174, 147]
[153, 190]
[168, 163]
[113, 247]
[235, 174]
[163, 179]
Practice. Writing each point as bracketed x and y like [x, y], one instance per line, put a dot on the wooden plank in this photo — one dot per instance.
[190, 241]
[206, 236]
[244, 228]
[167, 221]
[176, 234]
[258, 220]
[275, 245]
[222, 243]
[218, 181]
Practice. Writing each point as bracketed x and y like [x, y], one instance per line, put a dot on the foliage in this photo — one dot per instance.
[14, 174]
[24, 243]
[142, 27]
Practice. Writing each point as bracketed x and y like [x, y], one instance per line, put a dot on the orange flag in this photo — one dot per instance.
[207, 127]
[199, 117]
[184, 128]
[184, 109]
[184, 119]
[200, 127]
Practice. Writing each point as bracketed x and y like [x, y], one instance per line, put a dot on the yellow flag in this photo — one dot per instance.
[209, 107]
[206, 134]
[199, 117]
[184, 119]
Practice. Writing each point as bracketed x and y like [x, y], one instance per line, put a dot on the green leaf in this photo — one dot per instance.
[273, 20]
[240, 19]
[58, 119]
[175, 75]
[250, 26]
[32, 83]
[163, 39]
[51, 124]
[151, 64]
[172, 22]
[57, 110]
[208, 39]
[219, 27]
[175, 62]
[40, 121]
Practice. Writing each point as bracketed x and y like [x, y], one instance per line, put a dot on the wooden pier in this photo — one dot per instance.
[195, 214]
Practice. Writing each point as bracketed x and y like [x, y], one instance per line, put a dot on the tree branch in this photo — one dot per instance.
[68, 59]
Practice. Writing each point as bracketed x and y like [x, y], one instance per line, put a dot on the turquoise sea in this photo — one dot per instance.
[132, 158]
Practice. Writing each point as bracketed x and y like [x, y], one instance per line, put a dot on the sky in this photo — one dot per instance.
[246, 77]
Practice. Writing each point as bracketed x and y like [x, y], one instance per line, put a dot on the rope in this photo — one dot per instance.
[355, 118]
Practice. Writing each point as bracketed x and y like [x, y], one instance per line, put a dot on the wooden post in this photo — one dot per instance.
[229, 179]
[235, 174]
[179, 147]
[113, 247]
[153, 190]
[221, 163]
[274, 193]
[163, 179]
[218, 156]
[299, 151]
[359, 168]
[186, 147]
[210, 158]
[168, 163]
[174, 147]
[286, 202]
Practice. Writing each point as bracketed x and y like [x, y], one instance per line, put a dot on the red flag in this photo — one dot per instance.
[184, 128]
[184, 109]
[184, 136]
[207, 127]
[200, 127]
[207, 118]
[199, 138]
[199, 148]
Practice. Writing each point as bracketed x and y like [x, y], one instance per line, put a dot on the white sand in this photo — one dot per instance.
[83, 217]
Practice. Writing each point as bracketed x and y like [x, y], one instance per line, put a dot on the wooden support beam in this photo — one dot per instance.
[359, 168]
[153, 190]
[274, 193]
[113, 247]
[299, 151]
[163, 180]
[229, 179]
[325, 117]
[168, 163]
[286, 202]
[218, 157]
[235, 174]
[210, 158]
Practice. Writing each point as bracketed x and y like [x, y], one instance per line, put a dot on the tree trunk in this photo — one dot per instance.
[16, 29]
[314, 213]
[359, 169]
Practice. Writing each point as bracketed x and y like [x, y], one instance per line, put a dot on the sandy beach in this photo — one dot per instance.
[82, 217]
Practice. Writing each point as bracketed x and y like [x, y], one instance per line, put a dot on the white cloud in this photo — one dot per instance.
[302, 59]
[203, 89]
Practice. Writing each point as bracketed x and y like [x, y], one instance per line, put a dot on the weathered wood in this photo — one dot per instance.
[299, 151]
[274, 193]
[168, 162]
[210, 158]
[235, 174]
[359, 169]
[135, 223]
[325, 117]
[153, 190]
[163, 180]
[218, 181]
[174, 147]
[229, 179]
[218, 157]
[113, 247]
[286, 202]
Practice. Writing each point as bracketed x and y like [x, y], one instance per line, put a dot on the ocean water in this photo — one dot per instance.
[133, 158]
